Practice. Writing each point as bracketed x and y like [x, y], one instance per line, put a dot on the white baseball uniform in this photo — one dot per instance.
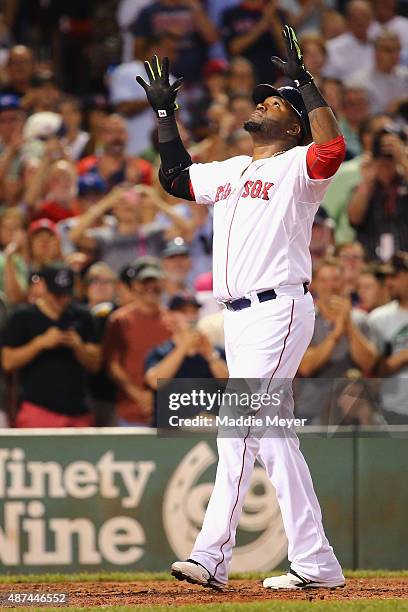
[263, 216]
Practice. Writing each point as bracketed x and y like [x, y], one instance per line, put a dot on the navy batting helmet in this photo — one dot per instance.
[293, 97]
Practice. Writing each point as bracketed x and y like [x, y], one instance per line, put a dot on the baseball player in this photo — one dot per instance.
[263, 214]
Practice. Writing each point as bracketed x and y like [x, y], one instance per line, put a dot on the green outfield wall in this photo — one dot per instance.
[117, 499]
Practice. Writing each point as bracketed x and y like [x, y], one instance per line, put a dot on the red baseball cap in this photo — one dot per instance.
[43, 224]
[215, 66]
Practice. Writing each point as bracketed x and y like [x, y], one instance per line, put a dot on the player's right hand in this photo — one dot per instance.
[160, 94]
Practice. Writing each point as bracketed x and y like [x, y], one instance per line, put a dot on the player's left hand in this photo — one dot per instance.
[294, 66]
[160, 94]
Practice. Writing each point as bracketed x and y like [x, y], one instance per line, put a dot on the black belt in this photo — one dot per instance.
[263, 296]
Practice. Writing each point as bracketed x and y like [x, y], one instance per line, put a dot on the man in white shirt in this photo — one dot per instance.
[352, 48]
[386, 18]
[386, 81]
[129, 99]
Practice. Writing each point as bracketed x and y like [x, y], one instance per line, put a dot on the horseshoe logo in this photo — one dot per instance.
[185, 502]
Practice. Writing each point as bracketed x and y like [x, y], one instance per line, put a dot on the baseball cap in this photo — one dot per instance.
[379, 269]
[294, 99]
[43, 224]
[130, 272]
[59, 279]
[149, 273]
[177, 246]
[43, 125]
[9, 102]
[215, 66]
[180, 300]
[91, 183]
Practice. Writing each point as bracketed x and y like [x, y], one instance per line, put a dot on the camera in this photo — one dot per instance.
[377, 146]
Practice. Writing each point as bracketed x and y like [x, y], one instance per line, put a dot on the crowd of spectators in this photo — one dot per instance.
[105, 279]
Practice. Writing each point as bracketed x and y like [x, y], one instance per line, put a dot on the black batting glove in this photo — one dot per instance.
[160, 94]
[294, 66]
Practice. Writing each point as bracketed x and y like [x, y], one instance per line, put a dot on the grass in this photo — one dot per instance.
[143, 576]
[368, 605]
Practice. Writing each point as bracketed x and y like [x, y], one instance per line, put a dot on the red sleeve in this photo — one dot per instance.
[323, 160]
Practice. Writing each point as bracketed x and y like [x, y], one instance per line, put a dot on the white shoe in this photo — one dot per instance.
[293, 581]
[195, 573]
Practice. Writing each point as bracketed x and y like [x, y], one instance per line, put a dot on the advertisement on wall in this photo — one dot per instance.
[128, 500]
[93, 502]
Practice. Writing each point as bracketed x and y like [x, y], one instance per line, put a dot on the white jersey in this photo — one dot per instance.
[263, 217]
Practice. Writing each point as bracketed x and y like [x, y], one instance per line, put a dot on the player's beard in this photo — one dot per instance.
[268, 128]
[252, 126]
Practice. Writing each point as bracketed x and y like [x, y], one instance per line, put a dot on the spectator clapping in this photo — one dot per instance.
[79, 193]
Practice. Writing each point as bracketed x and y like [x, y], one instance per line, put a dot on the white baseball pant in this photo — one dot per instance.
[267, 341]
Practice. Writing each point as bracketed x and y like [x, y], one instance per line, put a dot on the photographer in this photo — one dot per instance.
[378, 205]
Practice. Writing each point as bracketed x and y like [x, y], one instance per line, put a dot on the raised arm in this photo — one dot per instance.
[79, 233]
[269, 21]
[205, 27]
[328, 150]
[179, 225]
[175, 159]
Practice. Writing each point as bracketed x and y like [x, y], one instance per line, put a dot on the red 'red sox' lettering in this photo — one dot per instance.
[255, 189]
[223, 191]
[247, 188]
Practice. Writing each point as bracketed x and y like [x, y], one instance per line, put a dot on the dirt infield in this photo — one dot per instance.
[152, 592]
